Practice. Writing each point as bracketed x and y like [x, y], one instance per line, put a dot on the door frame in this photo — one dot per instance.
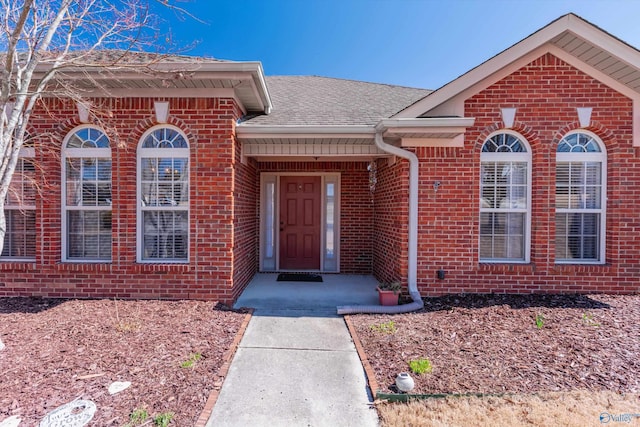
[269, 238]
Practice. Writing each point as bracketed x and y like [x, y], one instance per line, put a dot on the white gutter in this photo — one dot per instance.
[412, 279]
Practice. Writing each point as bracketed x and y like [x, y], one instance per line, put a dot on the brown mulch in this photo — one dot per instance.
[61, 350]
[491, 344]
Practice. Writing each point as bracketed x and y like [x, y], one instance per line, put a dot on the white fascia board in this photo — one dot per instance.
[124, 69]
[406, 125]
[263, 90]
[570, 23]
[293, 131]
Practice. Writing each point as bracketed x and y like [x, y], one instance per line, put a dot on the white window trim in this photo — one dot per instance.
[80, 153]
[24, 153]
[142, 153]
[577, 157]
[274, 177]
[510, 157]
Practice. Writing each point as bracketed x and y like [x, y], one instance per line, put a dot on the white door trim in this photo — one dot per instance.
[268, 240]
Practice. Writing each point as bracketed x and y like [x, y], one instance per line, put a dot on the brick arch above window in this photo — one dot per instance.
[524, 131]
[145, 125]
[605, 135]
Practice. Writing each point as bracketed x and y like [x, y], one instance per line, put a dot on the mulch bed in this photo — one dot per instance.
[492, 343]
[61, 350]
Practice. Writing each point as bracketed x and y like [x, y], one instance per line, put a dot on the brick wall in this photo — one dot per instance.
[391, 215]
[546, 93]
[208, 124]
[246, 220]
[356, 209]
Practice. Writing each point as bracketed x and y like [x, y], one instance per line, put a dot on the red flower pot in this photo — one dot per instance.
[388, 297]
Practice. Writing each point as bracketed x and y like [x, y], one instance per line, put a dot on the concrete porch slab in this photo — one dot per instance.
[265, 293]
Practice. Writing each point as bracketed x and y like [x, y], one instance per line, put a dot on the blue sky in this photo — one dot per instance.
[419, 43]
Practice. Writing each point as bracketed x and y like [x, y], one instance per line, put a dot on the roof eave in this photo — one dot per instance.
[567, 23]
[251, 71]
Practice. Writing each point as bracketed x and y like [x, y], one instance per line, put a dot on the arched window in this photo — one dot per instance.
[86, 195]
[163, 196]
[505, 193]
[580, 198]
[20, 209]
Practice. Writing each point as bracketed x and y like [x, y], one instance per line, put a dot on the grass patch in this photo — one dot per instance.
[385, 328]
[191, 361]
[137, 417]
[163, 419]
[578, 408]
[539, 321]
[420, 366]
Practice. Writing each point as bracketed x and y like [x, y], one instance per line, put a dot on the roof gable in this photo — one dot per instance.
[570, 37]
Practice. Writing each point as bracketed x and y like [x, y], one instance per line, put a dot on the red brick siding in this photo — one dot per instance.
[391, 213]
[356, 209]
[246, 220]
[208, 124]
[546, 93]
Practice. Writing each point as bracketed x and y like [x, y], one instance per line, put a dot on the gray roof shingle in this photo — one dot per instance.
[324, 101]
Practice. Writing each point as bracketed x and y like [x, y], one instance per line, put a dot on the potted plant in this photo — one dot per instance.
[388, 293]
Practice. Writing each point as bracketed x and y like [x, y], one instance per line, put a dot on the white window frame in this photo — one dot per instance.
[329, 263]
[143, 153]
[494, 157]
[29, 154]
[81, 153]
[584, 157]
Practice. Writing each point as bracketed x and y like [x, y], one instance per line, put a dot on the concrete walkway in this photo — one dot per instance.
[296, 364]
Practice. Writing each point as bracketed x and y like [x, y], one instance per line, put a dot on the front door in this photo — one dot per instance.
[300, 222]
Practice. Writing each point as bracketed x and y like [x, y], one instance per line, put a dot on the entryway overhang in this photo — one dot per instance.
[347, 141]
[425, 132]
[320, 143]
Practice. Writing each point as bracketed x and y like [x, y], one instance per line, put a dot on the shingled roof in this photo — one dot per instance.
[324, 101]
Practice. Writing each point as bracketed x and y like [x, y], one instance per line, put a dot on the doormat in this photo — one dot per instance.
[299, 277]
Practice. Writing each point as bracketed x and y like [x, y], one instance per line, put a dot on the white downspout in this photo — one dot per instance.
[412, 278]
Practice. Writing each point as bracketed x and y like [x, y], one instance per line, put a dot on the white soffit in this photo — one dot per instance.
[245, 80]
[569, 34]
[434, 128]
[252, 132]
[314, 148]
[296, 141]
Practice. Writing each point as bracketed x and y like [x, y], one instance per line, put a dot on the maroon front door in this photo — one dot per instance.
[300, 223]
